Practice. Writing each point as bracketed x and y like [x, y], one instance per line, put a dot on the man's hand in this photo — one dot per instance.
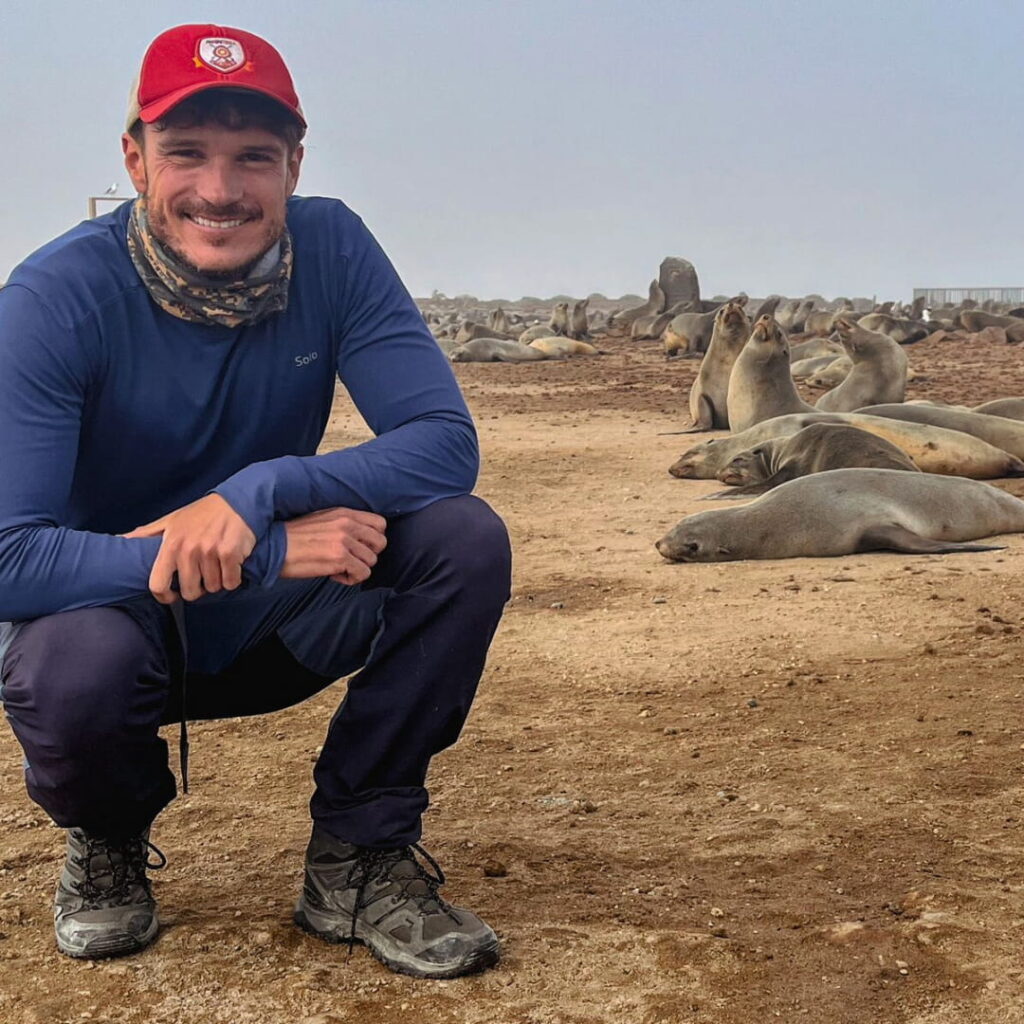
[342, 543]
[205, 543]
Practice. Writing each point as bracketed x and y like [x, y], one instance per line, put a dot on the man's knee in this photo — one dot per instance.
[74, 674]
[470, 539]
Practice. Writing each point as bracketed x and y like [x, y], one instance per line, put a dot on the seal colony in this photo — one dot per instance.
[852, 353]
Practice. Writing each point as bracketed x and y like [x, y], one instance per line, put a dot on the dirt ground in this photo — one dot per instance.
[710, 793]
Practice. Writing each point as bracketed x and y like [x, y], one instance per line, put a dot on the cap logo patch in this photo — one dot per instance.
[223, 55]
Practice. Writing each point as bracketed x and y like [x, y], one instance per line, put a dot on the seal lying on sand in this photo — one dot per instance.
[1000, 431]
[815, 449]
[495, 350]
[760, 385]
[814, 348]
[933, 449]
[1010, 408]
[879, 372]
[845, 511]
[711, 388]
[562, 348]
[975, 320]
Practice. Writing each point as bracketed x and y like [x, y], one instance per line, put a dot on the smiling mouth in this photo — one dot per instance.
[221, 225]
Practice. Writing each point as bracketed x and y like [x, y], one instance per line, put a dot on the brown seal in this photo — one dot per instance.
[495, 350]
[844, 511]
[559, 322]
[710, 390]
[760, 385]
[879, 372]
[933, 449]
[815, 449]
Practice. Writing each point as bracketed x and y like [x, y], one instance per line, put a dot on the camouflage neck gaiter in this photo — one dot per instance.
[189, 295]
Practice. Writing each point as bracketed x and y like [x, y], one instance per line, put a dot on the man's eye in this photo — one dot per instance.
[262, 158]
[187, 154]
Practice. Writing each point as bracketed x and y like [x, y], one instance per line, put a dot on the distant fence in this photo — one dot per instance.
[940, 296]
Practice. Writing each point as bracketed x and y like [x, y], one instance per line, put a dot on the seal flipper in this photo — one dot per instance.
[894, 537]
[705, 420]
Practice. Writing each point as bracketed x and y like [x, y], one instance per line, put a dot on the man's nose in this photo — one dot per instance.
[220, 183]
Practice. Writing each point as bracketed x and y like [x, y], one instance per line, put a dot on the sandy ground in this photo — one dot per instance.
[727, 793]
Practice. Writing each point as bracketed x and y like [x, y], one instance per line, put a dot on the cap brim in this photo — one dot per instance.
[154, 111]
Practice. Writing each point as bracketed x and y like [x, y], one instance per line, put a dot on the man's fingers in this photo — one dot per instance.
[190, 579]
[360, 556]
[371, 519]
[153, 529]
[161, 575]
[211, 568]
[368, 537]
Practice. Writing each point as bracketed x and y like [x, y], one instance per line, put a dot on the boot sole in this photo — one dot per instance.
[330, 928]
[108, 948]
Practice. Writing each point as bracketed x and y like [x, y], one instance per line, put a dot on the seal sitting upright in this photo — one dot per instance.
[708, 408]
[760, 385]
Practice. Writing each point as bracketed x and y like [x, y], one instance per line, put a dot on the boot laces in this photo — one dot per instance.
[420, 887]
[128, 859]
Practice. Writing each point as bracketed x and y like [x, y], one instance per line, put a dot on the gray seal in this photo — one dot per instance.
[879, 372]
[760, 385]
[844, 511]
[933, 449]
[709, 393]
[495, 350]
[815, 449]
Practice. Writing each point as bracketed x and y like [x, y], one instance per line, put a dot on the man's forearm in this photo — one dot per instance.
[49, 569]
[398, 472]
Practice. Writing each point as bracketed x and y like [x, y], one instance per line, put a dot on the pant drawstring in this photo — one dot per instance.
[178, 615]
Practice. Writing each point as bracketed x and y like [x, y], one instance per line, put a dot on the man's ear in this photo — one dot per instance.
[294, 163]
[134, 162]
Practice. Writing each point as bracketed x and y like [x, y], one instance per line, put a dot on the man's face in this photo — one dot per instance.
[215, 196]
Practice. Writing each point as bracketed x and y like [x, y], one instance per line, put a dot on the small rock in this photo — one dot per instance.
[558, 604]
[984, 629]
[494, 869]
[670, 730]
[660, 600]
[752, 703]
[261, 938]
[717, 912]
[719, 933]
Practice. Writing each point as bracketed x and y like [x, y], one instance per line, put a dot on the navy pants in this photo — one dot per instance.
[86, 691]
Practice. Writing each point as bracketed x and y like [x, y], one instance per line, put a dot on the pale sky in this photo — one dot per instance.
[855, 147]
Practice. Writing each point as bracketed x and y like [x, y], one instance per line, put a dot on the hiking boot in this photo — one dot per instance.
[104, 904]
[389, 901]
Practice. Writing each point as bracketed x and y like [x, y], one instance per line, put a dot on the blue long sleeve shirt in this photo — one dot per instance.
[114, 412]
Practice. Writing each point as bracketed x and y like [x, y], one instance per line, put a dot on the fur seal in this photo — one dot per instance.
[688, 334]
[804, 368]
[495, 350]
[710, 390]
[562, 348]
[469, 331]
[579, 328]
[977, 320]
[498, 321]
[760, 386]
[657, 302]
[844, 511]
[559, 322]
[1011, 408]
[996, 430]
[814, 348]
[832, 375]
[536, 331]
[879, 372]
[815, 449]
[933, 449]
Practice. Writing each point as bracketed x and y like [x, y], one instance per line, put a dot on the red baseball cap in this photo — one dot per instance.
[192, 58]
